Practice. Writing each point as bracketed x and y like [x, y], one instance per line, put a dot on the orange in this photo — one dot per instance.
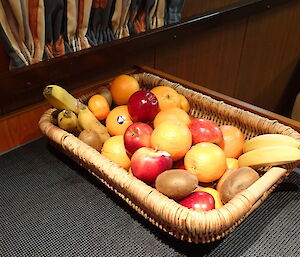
[114, 149]
[122, 87]
[99, 106]
[174, 113]
[215, 194]
[234, 141]
[232, 163]
[167, 97]
[118, 120]
[184, 103]
[172, 137]
[206, 160]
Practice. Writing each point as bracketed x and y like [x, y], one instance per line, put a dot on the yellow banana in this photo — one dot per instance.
[269, 155]
[270, 140]
[87, 120]
[67, 120]
[61, 99]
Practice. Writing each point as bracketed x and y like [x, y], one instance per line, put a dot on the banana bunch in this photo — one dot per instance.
[74, 116]
[269, 149]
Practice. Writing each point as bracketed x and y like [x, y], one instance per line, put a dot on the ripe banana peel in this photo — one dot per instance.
[270, 140]
[269, 155]
[67, 120]
[87, 120]
[61, 99]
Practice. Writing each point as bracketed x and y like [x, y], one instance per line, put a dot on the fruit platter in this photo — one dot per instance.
[193, 166]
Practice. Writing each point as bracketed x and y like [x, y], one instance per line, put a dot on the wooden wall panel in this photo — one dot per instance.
[210, 59]
[270, 54]
[20, 128]
[196, 7]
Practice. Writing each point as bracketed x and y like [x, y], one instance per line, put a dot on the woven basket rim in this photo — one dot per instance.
[167, 214]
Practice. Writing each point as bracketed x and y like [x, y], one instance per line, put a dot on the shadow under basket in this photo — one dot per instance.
[179, 221]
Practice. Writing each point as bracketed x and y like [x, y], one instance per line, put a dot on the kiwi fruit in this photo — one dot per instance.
[104, 91]
[91, 138]
[176, 183]
[235, 181]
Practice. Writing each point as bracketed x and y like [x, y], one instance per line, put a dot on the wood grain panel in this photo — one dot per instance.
[196, 7]
[21, 127]
[270, 55]
[210, 59]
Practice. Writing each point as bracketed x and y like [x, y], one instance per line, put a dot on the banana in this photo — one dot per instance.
[61, 99]
[269, 155]
[67, 120]
[270, 140]
[87, 120]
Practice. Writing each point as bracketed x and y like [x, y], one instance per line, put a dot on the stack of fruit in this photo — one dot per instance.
[150, 133]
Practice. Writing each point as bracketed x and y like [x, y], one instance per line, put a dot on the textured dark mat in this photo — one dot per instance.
[49, 206]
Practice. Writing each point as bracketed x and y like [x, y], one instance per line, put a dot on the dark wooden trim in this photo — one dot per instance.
[23, 87]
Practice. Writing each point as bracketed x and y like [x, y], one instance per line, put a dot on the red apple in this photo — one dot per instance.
[137, 135]
[143, 106]
[204, 130]
[199, 201]
[179, 164]
[147, 164]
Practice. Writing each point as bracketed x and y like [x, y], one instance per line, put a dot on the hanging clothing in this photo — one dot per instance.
[120, 19]
[173, 11]
[36, 30]
[100, 29]
[22, 31]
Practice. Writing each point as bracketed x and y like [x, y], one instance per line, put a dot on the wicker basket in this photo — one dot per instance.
[168, 215]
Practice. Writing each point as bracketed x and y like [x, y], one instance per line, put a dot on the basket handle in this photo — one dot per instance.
[259, 187]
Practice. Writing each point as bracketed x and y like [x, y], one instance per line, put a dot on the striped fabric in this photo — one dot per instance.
[100, 30]
[120, 19]
[36, 30]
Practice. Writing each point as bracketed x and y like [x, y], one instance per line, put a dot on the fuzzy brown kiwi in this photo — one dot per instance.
[176, 183]
[235, 181]
[91, 138]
